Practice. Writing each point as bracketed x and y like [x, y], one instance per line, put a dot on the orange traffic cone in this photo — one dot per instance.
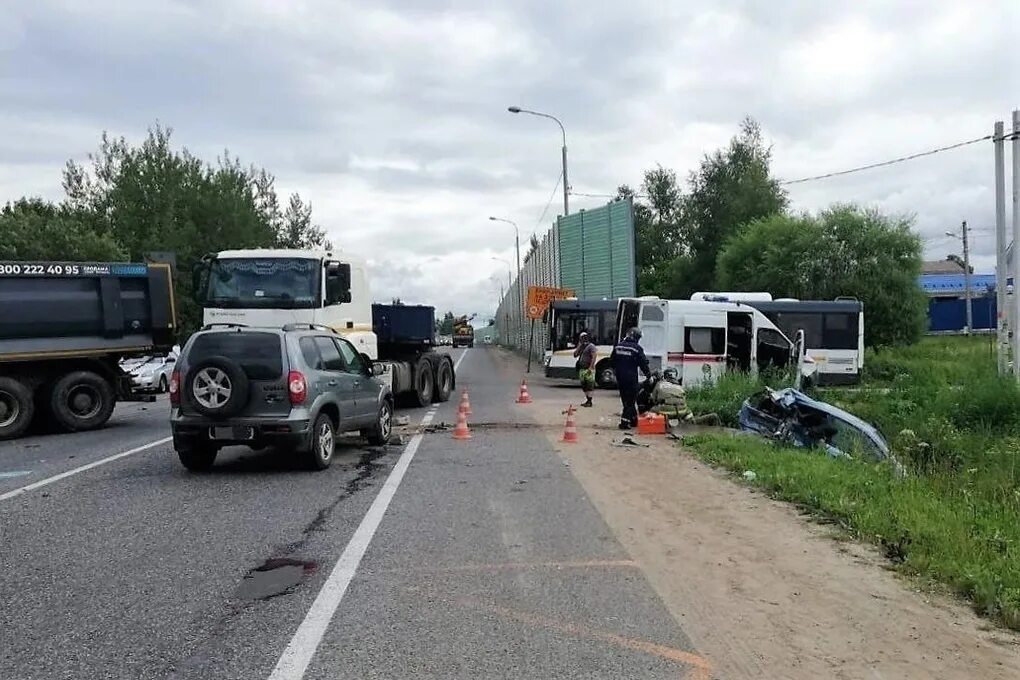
[465, 404]
[524, 397]
[461, 431]
[570, 429]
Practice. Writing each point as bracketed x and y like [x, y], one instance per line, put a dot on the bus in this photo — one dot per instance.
[567, 319]
[833, 334]
[833, 330]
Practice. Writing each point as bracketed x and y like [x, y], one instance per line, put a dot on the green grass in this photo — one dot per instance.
[953, 423]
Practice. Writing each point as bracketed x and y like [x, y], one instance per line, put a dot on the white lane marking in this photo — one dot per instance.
[456, 364]
[302, 647]
[14, 473]
[82, 468]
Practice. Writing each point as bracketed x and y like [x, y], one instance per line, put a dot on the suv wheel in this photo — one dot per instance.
[380, 433]
[198, 457]
[323, 441]
[217, 387]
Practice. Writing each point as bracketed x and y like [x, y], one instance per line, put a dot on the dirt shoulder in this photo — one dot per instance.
[762, 591]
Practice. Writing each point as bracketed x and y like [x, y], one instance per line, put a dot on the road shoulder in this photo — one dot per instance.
[760, 589]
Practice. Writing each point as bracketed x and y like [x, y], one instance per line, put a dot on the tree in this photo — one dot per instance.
[658, 228]
[731, 188]
[844, 251]
[297, 230]
[34, 229]
[152, 197]
[446, 324]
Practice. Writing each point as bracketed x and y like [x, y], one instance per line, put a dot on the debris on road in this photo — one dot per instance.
[629, 442]
[402, 420]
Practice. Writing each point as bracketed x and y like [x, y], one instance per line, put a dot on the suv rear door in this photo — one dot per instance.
[259, 354]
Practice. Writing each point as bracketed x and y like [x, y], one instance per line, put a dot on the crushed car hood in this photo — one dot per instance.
[791, 416]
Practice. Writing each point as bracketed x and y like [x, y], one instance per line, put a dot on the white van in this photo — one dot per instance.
[703, 339]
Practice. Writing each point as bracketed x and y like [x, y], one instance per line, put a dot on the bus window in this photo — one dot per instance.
[840, 331]
[811, 324]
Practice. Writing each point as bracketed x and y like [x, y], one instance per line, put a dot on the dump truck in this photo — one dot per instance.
[278, 287]
[463, 332]
[65, 326]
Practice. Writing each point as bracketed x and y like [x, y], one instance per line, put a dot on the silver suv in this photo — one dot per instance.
[293, 388]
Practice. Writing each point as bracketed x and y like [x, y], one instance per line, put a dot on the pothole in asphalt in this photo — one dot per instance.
[275, 576]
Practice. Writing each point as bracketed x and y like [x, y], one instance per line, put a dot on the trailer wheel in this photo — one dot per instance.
[16, 408]
[444, 380]
[82, 400]
[424, 382]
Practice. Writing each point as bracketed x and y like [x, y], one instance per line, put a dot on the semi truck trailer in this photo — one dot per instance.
[64, 327]
[265, 287]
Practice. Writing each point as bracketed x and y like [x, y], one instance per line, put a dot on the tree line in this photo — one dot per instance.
[130, 200]
[730, 228]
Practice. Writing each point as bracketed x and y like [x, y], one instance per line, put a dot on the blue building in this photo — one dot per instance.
[947, 310]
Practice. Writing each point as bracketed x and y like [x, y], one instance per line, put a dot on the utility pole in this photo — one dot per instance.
[1001, 300]
[966, 280]
[1016, 243]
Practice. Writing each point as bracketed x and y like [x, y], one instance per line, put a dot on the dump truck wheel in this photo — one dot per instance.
[16, 408]
[82, 400]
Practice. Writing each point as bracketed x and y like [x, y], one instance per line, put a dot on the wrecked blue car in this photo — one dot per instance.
[791, 416]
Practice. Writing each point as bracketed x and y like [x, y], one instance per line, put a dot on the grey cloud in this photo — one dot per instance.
[305, 89]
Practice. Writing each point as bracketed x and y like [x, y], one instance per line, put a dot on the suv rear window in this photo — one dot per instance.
[258, 354]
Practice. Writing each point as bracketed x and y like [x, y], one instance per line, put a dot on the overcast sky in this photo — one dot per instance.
[390, 116]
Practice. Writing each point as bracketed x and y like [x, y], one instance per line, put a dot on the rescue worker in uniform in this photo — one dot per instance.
[628, 358]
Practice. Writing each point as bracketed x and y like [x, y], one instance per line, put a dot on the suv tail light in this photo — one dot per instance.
[297, 388]
[175, 388]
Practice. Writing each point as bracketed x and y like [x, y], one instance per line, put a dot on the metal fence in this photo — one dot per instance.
[539, 268]
[590, 252]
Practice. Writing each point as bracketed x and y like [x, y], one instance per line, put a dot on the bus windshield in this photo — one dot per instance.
[284, 283]
[568, 324]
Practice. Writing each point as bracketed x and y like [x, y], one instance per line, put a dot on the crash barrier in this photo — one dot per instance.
[570, 427]
[651, 423]
[524, 397]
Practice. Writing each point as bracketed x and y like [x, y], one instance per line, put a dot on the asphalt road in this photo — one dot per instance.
[436, 559]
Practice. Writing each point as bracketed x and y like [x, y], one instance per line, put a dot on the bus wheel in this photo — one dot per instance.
[605, 376]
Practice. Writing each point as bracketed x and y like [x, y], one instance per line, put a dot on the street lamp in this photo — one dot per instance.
[966, 273]
[566, 185]
[520, 293]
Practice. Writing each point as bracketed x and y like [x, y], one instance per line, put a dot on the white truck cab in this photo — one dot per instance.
[267, 287]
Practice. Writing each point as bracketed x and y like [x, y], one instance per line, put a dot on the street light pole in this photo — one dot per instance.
[520, 293]
[563, 132]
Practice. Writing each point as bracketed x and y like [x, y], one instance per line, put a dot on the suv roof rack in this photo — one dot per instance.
[223, 324]
[308, 326]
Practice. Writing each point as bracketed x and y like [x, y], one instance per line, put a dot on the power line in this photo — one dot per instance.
[893, 161]
[931, 152]
[549, 202]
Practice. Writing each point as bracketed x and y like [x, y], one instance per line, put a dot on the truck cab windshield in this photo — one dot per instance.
[288, 283]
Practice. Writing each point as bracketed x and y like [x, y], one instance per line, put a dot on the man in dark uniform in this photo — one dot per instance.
[628, 358]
